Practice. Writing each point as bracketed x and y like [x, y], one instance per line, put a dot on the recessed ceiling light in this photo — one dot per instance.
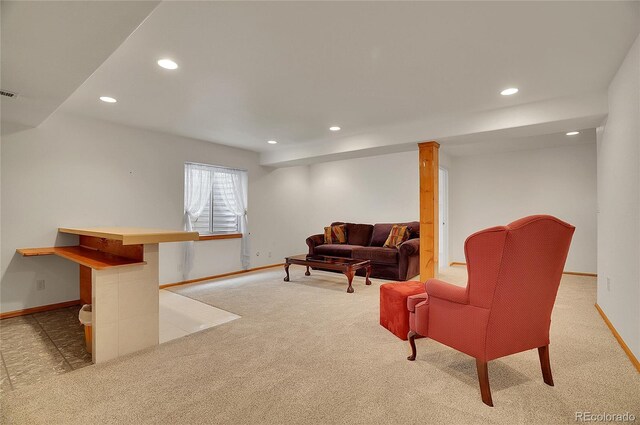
[334, 128]
[509, 91]
[573, 133]
[272, 142]
[167, 64]
[107, 99]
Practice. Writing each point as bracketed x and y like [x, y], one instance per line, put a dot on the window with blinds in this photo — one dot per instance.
[217, 218]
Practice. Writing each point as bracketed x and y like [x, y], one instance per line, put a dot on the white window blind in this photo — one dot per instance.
[217, 217]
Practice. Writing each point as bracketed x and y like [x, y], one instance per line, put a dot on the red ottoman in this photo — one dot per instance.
[394, 314]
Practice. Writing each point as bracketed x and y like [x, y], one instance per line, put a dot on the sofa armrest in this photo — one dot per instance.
[410, 247]
[446, 291]
[313, 241]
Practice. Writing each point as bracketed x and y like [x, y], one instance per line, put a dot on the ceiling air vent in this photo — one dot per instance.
[8, 93]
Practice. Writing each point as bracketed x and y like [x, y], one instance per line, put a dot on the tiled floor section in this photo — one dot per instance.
[37, 346]
[180, 316]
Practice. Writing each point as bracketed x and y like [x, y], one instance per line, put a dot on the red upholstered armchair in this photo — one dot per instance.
[514, 273]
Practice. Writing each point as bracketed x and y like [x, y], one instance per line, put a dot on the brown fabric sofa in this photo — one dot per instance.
[364, 241]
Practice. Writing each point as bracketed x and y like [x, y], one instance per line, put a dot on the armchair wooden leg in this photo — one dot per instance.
[483, 378]
[412, 342]
[543, 353]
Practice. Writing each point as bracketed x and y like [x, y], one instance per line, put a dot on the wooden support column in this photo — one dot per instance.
[428, 209]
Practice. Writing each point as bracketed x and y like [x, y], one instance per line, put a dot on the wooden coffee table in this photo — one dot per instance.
[347, 266]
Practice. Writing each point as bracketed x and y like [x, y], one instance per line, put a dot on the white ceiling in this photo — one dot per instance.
[50, 48]
[491, 143]
[389, 73]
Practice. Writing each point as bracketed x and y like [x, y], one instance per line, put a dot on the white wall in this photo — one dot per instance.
[375, 189]
[73, 171]
[619, 203]
[495, 189]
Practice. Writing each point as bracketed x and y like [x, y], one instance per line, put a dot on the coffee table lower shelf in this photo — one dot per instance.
[347, 266]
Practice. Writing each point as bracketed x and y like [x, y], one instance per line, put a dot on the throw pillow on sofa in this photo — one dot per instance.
[335, 234]
[397, 236]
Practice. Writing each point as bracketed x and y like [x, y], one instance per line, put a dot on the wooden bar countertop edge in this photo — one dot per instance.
[94, 259]
[33, 252]
[133, 235]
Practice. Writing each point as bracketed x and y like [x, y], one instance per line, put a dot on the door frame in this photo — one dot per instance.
[443, 224]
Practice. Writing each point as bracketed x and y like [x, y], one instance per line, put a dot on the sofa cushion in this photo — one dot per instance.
[359, 234]
[335, 234]
[397, 236]
[381, 231]
[335, 250]
[376, 254]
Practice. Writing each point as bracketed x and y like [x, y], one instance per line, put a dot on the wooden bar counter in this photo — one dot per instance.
[119, 277]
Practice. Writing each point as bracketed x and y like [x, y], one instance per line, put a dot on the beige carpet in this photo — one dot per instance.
[306, 352]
